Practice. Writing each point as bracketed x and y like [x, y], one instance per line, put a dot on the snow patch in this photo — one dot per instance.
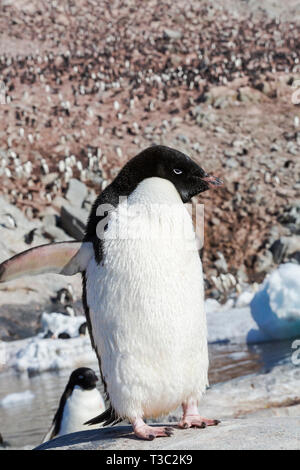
[16, 398]
[244, 298]
[38, 355]
[58, 323]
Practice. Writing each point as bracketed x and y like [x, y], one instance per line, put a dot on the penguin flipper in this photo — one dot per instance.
[65, 258]
[108, 417]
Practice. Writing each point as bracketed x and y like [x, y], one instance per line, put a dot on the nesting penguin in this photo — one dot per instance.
[79, 402]
[142, 290]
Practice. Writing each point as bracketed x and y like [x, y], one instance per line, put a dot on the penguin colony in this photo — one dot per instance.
[57, 88]
[85, 87]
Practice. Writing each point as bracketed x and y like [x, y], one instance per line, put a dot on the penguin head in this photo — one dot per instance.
[83, 377]
[164, 162]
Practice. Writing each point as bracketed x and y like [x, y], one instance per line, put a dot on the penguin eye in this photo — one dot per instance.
[80, 377]
[177, 171]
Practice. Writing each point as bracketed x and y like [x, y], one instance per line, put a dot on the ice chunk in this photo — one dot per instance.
[244, 299]
[229, 325]
[16, 398]
[38, 355]
[59, 323]
[276, 306]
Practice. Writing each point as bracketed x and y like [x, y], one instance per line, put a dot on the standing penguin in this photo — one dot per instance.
[142, 290]
[79, 402]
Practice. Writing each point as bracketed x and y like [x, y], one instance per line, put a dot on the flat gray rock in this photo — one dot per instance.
[73, 221]
[76, 192]
[239, 434]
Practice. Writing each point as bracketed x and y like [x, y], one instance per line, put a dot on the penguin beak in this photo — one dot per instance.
[212, 181]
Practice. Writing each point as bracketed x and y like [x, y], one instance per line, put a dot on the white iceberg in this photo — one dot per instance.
[276, 306]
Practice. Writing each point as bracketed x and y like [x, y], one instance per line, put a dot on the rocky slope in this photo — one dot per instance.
[86, 86]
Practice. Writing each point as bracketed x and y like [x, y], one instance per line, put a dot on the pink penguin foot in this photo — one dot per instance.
[143, 431]
[196, 421]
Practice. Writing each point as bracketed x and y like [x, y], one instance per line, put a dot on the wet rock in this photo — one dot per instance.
[19, 321]
[73, 221]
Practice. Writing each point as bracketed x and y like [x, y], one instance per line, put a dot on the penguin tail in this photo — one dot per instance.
[109, 418]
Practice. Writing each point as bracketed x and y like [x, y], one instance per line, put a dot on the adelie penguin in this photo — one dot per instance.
[79, 402]
[142, 290]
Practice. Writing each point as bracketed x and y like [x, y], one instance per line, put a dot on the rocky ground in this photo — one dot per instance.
[250, 434]
[87, 85]
[264, 414]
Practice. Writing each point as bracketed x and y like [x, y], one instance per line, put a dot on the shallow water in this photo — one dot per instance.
[25, 423]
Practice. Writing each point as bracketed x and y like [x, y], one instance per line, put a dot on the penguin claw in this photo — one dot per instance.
[149, 433]
[197, 422]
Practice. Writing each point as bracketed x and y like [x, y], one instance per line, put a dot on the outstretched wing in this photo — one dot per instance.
[65, 258]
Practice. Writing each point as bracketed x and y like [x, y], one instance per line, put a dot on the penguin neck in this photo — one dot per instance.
[155, 191]
[151, 192]
[152, 211]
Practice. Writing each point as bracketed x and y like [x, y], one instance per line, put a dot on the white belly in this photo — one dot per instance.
[146, 306]
[81, 406]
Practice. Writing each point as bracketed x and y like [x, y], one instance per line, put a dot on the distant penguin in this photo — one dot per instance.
[83, 328]
[79, 402]
[4, 444]
[143, 290]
